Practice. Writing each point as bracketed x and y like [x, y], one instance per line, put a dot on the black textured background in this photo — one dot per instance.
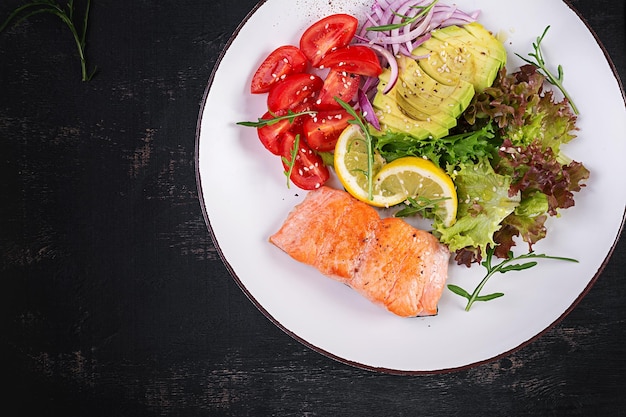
[114, 301]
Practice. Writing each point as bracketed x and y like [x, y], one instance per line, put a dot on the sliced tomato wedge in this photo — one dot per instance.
[357, 59]
[338, 83]
[271, 134]
[332, 32]
[293, 92]
[322, 131]
[283, 61]
[309, 171]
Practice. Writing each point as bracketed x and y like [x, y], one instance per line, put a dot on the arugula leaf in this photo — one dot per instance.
[539, 62]
[291, 162]
[420, 205]
[448, 152]
[66, 16]
[291, 116]
[506, 265]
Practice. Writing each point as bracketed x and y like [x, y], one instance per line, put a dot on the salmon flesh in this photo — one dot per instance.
[387, 260]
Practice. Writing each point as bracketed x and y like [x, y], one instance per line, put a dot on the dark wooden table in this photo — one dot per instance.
[114, 301]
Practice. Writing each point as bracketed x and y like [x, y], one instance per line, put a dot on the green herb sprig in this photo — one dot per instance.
[540, 63]
[406, 20]
[419, 205]
[291, 161]
[291, 116]
[504, 266]
[368, 140]
[67, 16]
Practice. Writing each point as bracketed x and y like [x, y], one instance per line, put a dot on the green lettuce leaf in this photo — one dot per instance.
[447, 153]
[524, 111]
[483, 203]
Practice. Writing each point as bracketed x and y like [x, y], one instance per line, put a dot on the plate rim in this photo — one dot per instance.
[322, 351]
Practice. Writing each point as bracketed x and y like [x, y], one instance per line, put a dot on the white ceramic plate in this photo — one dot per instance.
[246, 200]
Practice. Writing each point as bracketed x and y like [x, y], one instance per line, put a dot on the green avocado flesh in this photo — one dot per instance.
[432, 92]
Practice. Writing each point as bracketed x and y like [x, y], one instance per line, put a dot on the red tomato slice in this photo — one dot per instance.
[309, 171]
[293, 92]
[357, 59]
[281, 62]
[322, 131]
[332, 32]
[338, 83]
[271, 134]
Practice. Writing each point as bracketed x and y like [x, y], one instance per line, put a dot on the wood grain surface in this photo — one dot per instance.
[114, 301]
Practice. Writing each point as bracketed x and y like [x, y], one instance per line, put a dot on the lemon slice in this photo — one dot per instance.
[416, 177]
[395, 182]
[350, 164]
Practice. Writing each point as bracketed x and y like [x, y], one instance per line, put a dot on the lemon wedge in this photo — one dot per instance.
[351, 166]
[416, 177]
[394, 182]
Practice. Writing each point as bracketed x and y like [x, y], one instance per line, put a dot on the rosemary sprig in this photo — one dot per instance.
[291, 161]
[66, 15]
[540, 63]
[406, 20]
[368, 140]
[291, 116]
[502, 267]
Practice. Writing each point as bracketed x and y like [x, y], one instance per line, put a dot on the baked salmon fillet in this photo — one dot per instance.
[388, 261]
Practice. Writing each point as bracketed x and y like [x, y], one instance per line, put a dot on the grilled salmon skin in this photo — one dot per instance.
[388, 261]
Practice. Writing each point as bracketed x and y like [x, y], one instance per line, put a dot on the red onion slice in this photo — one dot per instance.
[391, 62]
[367, 110]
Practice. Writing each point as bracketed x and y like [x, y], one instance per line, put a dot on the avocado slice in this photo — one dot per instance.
[479, 39]
[454, 53]
[496, 48]
[397, 122]
[394, 117]
[395, 98]
[427, 95]
[452, 62]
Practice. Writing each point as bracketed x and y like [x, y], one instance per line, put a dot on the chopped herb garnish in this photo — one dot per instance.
[291, 116]
[502, 267]
[291, 162]
[66, 15]
[541, 64]
[406, 20]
